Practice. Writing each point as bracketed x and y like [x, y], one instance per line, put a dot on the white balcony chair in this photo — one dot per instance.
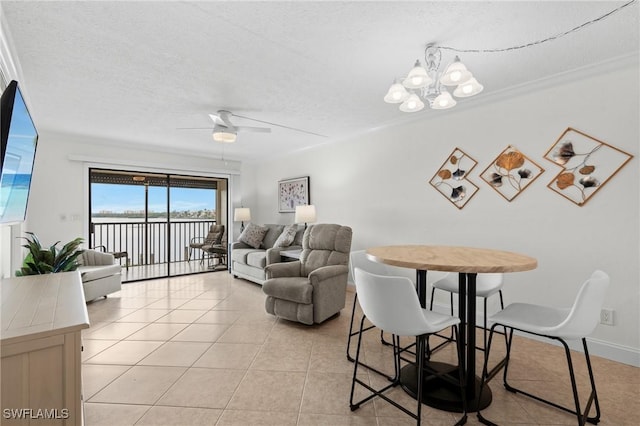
[392, 305]
[557, 324]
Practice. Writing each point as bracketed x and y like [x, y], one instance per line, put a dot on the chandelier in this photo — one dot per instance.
[427, 85]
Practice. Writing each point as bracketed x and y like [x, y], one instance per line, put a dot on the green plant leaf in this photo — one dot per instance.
[44, 261]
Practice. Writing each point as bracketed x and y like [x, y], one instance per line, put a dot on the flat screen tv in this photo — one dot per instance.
[18, 137]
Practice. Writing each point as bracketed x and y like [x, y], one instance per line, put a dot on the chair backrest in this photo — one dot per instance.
[359, 259]
[215, 235]
[325, 244]
[585, 312]
[391, 304]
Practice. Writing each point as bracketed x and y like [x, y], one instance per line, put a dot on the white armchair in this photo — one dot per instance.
[100, 274]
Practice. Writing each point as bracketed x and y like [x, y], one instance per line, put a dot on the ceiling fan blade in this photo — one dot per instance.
[216, 119]
[224, 116]
[280, 125]
[253, 129]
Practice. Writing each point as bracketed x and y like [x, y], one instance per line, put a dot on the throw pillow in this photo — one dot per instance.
[253, 235]
[286, 238]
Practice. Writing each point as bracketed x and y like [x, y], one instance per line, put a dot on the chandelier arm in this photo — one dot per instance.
[534, 43]
[432, 56]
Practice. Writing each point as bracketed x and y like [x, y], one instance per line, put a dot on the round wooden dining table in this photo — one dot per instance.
[467, 262]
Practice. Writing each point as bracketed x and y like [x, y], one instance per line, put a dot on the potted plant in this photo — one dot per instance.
[40, 260]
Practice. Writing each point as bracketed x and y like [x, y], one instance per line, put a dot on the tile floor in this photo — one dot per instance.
[200, 350]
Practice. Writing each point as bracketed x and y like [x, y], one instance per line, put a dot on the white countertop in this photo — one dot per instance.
[36, 306]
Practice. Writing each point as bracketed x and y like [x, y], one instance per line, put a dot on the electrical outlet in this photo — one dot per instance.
[606, 316]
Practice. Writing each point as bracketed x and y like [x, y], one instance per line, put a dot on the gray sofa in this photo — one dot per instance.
[249, 263]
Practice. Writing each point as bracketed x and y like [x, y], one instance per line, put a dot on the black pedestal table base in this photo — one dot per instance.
[440, 394]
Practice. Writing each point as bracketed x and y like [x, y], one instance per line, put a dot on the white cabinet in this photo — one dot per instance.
[42, 317]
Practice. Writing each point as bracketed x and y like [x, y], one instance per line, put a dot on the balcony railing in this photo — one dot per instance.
[147, 243]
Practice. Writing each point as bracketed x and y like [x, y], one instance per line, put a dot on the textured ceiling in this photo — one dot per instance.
[139, 71]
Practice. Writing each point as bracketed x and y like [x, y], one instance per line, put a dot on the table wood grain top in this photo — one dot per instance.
[452, 258]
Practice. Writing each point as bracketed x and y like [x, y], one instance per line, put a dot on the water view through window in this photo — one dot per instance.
[152, 217]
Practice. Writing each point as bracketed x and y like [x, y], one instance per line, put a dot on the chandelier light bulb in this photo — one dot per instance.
[412, 104]
[443, 101]
[455, 74]
[470, 88]
[396, 94]
[417, 77]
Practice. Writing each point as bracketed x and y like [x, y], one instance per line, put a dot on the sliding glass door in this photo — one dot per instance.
[149, 221]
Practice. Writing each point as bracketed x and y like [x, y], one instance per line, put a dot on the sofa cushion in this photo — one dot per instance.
[287, 236]
[240, 255]
[257, 259]
[253, 235]
[273, 232]
[90, 273]
[294, 289]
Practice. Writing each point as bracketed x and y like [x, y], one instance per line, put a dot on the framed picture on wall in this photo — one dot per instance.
[293, 192]
[511, 173]
[451, 178]
[587, 164]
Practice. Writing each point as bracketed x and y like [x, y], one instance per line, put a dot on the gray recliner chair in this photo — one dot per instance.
[313, 288]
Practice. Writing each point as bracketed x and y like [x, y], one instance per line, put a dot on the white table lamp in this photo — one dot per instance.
[305, 214]
[242, 214]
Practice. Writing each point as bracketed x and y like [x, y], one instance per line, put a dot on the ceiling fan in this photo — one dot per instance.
[225, 131]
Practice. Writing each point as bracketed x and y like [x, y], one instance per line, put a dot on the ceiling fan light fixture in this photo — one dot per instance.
[224, 135]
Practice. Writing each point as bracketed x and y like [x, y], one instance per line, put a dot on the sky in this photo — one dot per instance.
[22, 137]
[119, 198]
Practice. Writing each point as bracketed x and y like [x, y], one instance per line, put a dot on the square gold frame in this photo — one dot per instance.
[511, 173]
[453, 171]
[587, 165]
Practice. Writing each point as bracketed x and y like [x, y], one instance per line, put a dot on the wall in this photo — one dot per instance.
[378, 184]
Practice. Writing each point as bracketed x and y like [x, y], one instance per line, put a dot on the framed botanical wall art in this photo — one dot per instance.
[587, 164]
[291, 193]
[511, 172]
[451, 178]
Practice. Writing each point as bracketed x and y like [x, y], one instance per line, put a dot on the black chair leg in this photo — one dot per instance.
[583, 417]
[486, 376]
[353, 333]
[461, 378]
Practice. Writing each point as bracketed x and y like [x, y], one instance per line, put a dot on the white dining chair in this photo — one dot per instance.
[358, 259]
[487, 285]
[560, 325]
[391, 304]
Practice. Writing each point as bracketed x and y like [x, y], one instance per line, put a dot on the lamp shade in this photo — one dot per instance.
[396, 94]
[455, 74]
[443, 101]
[412, 104]
[305, 214]
[417, 77]
[242, 214]
[470, 88]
